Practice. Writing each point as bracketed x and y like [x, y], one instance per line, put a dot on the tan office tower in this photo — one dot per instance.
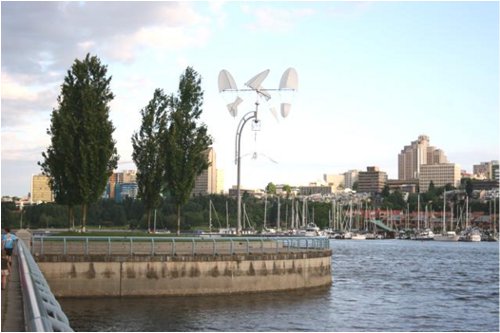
[206, 183]
[220, 181]
[418, 153]
[440, 175]
[350, 177]
[40, 189]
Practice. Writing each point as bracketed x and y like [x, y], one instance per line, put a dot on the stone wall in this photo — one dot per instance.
[75, 276]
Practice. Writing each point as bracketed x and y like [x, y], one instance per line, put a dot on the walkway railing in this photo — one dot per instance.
[174, 246]
[42, 312]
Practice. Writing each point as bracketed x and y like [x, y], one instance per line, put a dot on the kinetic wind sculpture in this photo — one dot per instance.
[288, 82]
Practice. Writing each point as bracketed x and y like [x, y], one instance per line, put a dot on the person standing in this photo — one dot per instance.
[8, 241]
[5, 269]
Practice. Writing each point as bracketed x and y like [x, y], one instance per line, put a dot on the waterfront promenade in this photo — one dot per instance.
[12, 301]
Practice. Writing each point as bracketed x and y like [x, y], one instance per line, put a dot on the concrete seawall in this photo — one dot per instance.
[95, 275]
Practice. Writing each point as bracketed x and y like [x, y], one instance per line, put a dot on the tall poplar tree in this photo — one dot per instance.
[79, 172]
[186, 141]
[59, 158]
[147, 154]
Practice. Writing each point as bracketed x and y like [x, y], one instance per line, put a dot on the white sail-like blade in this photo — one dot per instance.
[233, 107]
[285, 109]
[289, 79]
[226, 81]
[257, 80]
[274, 113]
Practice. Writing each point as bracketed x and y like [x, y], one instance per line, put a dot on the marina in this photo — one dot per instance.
[423, 286]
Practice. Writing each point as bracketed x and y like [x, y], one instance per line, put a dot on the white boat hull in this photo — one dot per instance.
[358, 237]
[450, 236]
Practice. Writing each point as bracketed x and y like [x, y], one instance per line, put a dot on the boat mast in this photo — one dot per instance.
[227, 217]
[467, 211]
[418, 212]
[286, 215]
[494, 216]
[278, 222]
[297, 219]
[350, 215]
[210, 216]
[304, 216]
[444, 213]
[265, 210]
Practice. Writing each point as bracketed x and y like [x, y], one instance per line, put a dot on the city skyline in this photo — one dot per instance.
[372, 77]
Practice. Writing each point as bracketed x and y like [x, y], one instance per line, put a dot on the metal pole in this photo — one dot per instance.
[444, 213]
[243, 121]
[154, 223]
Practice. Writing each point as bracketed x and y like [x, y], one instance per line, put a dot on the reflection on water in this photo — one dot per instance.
[388, 285]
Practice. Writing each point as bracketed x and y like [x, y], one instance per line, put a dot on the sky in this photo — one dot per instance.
[372, 77]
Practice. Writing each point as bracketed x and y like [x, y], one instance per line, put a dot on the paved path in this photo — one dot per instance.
[12, 302]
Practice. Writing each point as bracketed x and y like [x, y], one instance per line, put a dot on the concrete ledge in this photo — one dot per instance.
[197, 257]
[98, 275]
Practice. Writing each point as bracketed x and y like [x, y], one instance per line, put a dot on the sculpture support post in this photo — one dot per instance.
[226, 83]
[243, 121]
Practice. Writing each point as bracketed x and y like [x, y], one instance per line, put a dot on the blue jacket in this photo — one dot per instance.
[8, 240]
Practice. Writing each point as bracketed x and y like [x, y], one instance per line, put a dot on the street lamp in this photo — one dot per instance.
[288, 82]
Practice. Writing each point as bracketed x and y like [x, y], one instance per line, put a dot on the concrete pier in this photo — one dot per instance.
[74, 276]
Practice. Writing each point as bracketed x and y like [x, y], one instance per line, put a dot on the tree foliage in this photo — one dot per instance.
[147, 152]
[271, 188]
[186, 141]
[82, 155]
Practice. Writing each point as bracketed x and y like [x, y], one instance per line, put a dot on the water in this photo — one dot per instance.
[379, 285]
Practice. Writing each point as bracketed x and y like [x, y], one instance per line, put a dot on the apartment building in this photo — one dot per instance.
[439, 174]
[206, 182]
[486, 170]
[372, 180]
[418, 153]
[350, 177]
[220, 181]
[336, 181]
[40, 189]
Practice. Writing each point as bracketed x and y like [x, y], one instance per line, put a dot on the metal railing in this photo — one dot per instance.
[172, 246]
[42, 312]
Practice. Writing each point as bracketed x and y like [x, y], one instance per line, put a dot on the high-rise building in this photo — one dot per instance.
[121, 185]
[110, 187]
[126, 176]
[206, 182]
[486, 170]
[372, 180]
[436, 156]
[125, 190]
[334, 181]
[439, 174]
[40, 189]
[350, 177]
[220, 181]
[418, 153]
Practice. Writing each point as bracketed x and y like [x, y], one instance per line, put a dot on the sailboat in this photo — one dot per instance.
[425, 234]
[469, 234]
[446, 236]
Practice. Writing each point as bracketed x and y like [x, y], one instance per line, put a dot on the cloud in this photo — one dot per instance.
[276, 19]
[38, 37]
[23, 103]
[14, 89]
[40, 41]
[17, 146]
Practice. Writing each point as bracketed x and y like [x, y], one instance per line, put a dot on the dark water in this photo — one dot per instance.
[379, 285]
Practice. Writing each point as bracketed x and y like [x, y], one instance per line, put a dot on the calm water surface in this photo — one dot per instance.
[379, 285]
